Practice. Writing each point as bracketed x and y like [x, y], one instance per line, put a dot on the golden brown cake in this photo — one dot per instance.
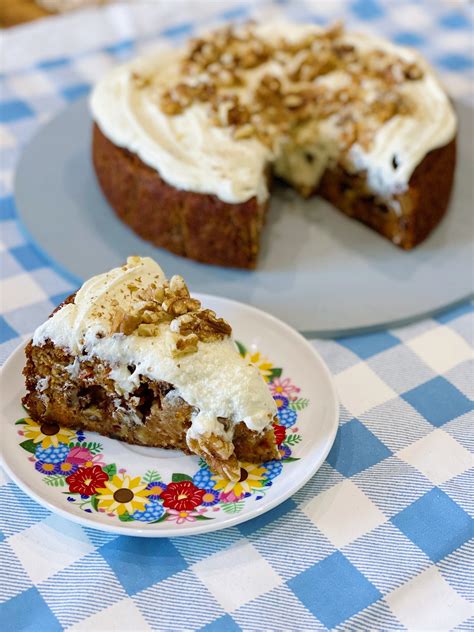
[185, 143]
[135, 357]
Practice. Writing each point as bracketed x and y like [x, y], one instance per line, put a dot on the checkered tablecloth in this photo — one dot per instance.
[382, 536]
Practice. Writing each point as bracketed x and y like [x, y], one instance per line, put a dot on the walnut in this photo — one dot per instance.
[246, 131]
[185, 345]
[178, 286]
[147, 330]
[140, 81]
[293, 100]
[123, 323]
[413, 72]
[238, 115]
[168, 105]
[177, 306]
[212, 328]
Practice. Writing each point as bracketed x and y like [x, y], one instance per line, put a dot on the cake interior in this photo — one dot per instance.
[67, 392]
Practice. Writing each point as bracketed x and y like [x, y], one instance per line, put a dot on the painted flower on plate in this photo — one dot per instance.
[153, 511]
[47, 433]
[287, 417]
[184, 516]
[84, 457]
[279, 432]
[230, 497]
[87, 480]
[273, 468]
[285, 451]
[52, 454]
[47, 468]
[67, 468]
[251, 477]
[263, 365]
[182, 496]
[79, 455]
[281, 401]
[155, 490]
[210, 498]
[203, 478]
[122, 495]
[284, 386]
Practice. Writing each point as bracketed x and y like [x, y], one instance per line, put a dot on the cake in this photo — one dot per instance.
[186, 142]
[134, 357]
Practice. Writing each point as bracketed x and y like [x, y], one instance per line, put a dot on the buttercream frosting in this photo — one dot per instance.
[192, 153]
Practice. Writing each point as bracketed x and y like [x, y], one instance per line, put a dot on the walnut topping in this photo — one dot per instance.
[216, 70]
[173, 306]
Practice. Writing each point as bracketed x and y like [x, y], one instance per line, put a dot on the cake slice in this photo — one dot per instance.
[134, 357]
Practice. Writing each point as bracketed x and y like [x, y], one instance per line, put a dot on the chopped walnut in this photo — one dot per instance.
[170, 304]
[279, 104]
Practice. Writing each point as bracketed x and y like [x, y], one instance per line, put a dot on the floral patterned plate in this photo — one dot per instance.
[120, 488]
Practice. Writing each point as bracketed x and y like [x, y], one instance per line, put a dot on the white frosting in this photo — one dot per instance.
[191, 153]
[215, 379]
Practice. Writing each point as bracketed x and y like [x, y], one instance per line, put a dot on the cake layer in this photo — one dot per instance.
[154, 415]
[229, 235]
[407, 218]
[194, 225]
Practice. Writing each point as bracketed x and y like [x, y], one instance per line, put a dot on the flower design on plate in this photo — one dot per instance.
[122, 495]
[182, 496]
[84, 457]
[46, 468]
[210, 498]
[287, 417]
[184, 516]
[52, 454]
[273, 468]
[48, 433]
[203, 478]
[251, 478]
[153, 511]
[67, 468]
[77, 466]
[284, 387]
[155, 489]
[87, 480]
[280, 433]
[281, 401]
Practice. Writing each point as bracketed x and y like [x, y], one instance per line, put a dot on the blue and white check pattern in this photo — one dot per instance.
[380, 538]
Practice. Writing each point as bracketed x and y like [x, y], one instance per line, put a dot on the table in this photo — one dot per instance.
[381, 537]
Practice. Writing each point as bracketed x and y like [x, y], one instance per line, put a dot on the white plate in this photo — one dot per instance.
[308, 415]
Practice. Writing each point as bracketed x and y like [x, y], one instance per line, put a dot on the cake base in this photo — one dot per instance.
[194, 225]
[204, 228]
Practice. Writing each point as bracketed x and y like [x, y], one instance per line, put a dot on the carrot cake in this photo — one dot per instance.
[135, 357]
[185, 142]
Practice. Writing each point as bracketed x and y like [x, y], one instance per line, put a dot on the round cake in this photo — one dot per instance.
[186, 142]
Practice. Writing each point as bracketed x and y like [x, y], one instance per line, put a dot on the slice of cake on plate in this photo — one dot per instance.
[134, 357]
[185, 141]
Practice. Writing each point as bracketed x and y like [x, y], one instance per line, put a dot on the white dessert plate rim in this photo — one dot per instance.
[10, 378]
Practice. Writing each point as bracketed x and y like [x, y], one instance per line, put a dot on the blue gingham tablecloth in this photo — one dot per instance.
[381, 537]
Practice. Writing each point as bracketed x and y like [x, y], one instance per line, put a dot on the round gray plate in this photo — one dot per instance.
[320, 271]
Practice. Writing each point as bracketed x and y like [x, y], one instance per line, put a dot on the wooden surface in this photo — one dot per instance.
[13, 12]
